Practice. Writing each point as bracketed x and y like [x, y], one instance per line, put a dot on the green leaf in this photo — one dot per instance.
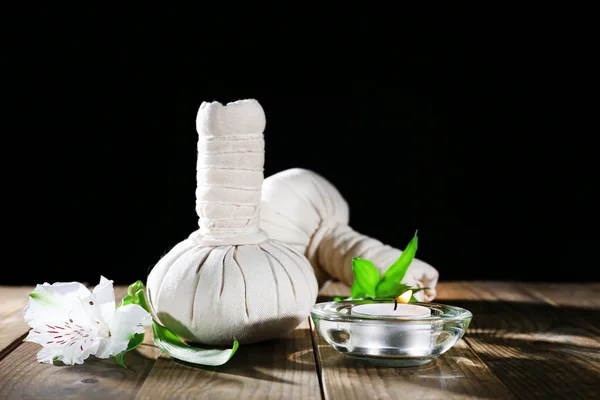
[139, 298]
[394, 275]
[338, 298]
[135, 341]
[167, 341]
[391, 290]
[126, 300]
[413, 299]
[134, 287]
[366, 275]
[357, 292]
[136, 291]
[170, 344]
[119, 359]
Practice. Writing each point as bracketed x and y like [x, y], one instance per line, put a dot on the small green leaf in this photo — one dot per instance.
[139, 298]
[119, 359]
[357, 292]
[136, 295]
[171, 345]
[134, 287]
[391, 290]
[397, 270]
[413, 299]
[126, 300]
[134, 342]
[338, 298]
[366, 275]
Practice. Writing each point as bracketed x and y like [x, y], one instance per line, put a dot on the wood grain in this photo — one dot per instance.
[582, 299]
[586, 295]
[13, 327]
[280, 369]
[536, 349]
[458, 374]
[526, 340]
[22, 377]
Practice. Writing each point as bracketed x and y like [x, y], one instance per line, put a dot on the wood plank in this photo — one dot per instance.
[13, 327]
[586, 295]
[539, 339]
[535, 319]
[279, 369]
[458, 374]
[580, 301]
[23, 377]
[536, 349]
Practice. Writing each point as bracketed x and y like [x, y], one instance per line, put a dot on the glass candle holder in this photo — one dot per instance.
[375, 332]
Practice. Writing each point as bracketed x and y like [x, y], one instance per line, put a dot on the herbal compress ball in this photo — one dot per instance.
[303, 209]
[228, 279]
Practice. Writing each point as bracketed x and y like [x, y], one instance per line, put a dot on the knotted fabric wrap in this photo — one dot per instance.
[301, 208]
[229, 173]
[228, 279]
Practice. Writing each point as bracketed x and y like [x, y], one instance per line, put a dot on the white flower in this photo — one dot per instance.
[72, 323]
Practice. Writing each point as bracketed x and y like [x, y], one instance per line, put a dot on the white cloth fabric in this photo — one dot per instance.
[229, 172]
[227, 279]
[301, 208]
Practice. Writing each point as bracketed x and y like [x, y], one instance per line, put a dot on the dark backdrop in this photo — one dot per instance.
[473, 145]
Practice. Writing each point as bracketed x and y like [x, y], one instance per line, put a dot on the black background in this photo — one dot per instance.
[474, 140]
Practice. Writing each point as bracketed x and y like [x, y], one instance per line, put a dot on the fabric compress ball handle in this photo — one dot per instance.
[229, 172]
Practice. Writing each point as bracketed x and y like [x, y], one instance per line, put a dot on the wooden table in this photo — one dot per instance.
[529, 341]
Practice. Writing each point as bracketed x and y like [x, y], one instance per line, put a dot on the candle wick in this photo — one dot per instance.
[395, 304]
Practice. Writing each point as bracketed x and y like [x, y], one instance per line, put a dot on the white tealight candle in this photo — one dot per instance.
[387, 310]
[407, 337]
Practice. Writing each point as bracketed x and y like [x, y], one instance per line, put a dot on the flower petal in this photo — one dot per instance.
[76, 354]
[105, 298]
[48, 355]
[90, 306]
[62, 324]
[65, 341]
[127, 321]
[69, 289]
[56, 300]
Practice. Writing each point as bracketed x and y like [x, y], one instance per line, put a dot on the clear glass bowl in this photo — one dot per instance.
[390, 340]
